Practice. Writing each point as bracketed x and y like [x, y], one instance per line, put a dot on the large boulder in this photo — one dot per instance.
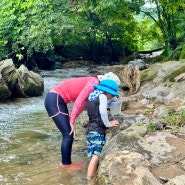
[126, 167]
[31, 83]
[18, 82]
[134, 157]
[165, 82]
[4, 92]
[8, 78]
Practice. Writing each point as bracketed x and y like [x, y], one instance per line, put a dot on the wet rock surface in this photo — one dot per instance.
[134, 155]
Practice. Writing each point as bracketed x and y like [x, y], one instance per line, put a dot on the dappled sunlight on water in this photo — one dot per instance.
[30, 142]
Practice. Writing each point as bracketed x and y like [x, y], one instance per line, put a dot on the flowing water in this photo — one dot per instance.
[30, 142]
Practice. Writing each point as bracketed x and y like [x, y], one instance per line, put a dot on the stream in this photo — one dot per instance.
[30, 141]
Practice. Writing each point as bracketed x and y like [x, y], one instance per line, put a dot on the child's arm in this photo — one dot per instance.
[103, 109]
[103, 112]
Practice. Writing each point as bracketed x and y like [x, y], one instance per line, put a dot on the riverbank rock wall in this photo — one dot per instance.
[145, 149]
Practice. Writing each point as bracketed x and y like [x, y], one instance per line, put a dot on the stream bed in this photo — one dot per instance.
[30, 141]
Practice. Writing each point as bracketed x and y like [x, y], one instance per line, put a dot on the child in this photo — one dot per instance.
[98, 122]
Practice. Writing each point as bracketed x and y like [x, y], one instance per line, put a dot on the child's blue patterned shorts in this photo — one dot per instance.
[95, 143]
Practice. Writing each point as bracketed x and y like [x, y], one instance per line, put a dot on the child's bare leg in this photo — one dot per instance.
[92, 168]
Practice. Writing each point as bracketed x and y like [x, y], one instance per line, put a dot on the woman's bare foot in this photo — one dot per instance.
[73, 166]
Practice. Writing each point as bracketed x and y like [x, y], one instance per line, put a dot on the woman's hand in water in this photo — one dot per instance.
[72, 130]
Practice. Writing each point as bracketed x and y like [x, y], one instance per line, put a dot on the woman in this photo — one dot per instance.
[74, 90]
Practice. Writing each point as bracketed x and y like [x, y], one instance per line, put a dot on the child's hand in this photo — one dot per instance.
[114, 123]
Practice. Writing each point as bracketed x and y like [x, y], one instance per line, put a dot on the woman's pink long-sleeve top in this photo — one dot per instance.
[76, 90]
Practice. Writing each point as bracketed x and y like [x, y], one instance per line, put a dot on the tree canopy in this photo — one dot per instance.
[95, 30]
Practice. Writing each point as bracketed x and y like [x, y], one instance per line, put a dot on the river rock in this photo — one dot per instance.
[179, 180]
[31, 83]
[131, 155]
[126, 167]
[139, 63]
[18, 82]
[4, 92]
[8, 78]
[162, 84]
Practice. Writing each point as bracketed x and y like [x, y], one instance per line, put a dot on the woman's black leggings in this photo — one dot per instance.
[58, 111]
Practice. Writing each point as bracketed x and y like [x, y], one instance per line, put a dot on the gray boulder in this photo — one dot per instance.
[18, 82]
[8, 78]
[31, 83]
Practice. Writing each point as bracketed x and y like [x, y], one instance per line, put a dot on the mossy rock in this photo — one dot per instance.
[174, 74]
[100, 179]
[148, 74]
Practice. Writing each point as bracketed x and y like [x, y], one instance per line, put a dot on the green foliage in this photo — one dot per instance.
[168, 16]
[89, 28]
[176, 120]
[151, 127]
[29, 24]
[40, 25]
[149, 35]
[107, 22]
[182, 54]
[139, 124]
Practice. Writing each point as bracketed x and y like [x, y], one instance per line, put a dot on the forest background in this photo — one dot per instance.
[41, 32]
